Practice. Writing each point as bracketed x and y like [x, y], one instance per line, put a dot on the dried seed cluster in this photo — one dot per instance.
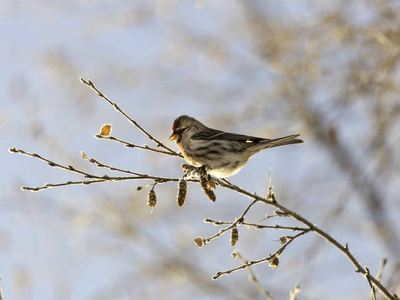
[274, 262]
[105, 129]
[199, 241]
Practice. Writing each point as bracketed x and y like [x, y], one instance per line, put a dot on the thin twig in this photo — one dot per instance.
[51, 163]
[116, 107]
[157, 179]
[102, 165]
[281, 210]
[238, 221]
[344, 249]
[53, 185]
[254, 262]
[257, 226]
[94, 178]
[253, 277]
[130, 145]
[293, 228]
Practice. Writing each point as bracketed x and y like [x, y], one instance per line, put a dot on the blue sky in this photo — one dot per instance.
[157, 60]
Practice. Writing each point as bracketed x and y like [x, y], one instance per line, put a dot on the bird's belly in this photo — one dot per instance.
[219, 160]
[225, 170]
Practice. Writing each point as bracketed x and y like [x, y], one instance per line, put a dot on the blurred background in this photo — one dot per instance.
[328, 70]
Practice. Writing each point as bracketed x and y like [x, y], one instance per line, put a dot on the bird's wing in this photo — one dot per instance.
[211, 134]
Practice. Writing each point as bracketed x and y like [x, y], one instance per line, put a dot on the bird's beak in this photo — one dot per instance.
[174, 136]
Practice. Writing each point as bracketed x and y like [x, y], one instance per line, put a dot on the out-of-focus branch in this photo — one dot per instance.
[1, 296]
[367, 187]
[293, 293]
[366, 74]
[381, 268]
[368, 277]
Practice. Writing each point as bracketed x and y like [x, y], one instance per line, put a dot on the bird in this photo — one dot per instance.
[221, 154]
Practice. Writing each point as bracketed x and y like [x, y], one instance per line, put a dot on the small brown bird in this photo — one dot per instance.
[222, 154]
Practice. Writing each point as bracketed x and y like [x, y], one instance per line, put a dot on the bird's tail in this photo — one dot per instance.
[287, 140]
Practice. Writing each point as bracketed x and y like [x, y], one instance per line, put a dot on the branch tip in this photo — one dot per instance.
[13, 150]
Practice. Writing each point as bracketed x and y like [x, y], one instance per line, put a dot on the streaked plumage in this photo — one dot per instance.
[222, 154]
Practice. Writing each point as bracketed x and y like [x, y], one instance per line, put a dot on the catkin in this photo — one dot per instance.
[152, 198]
[182, 190]
[204, 185]
[210, 184]
[234, 236]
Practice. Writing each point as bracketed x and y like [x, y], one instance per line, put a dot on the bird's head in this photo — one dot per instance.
[184, 125]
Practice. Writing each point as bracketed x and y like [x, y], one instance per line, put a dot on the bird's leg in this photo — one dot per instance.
[202, 171]
[188, 171]
[191, 171]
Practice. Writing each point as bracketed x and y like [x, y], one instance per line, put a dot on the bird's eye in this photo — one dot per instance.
[183, 129]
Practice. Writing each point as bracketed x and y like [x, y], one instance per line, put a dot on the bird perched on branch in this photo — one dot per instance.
[222, 154]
